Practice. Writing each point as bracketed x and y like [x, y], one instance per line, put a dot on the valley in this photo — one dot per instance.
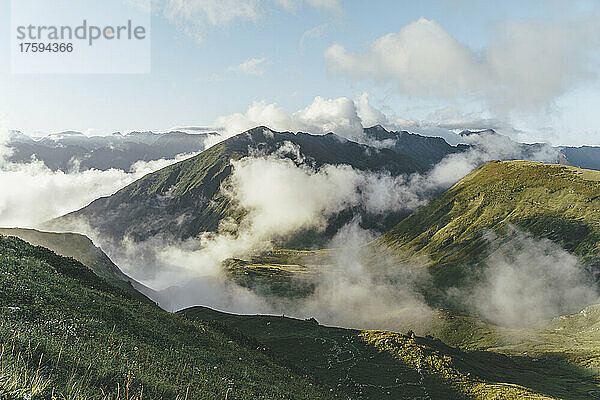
[440, 298]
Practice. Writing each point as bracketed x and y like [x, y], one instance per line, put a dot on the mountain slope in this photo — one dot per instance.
[557, 202]
[184, 199]
[66, 333]
[379, 364]
[583, 157]
[429, 150]
[488, 216]
[82, 249]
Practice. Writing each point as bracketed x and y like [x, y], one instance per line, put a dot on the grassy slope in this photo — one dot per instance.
[557, 202]
[82, 249]
[552, 201]
[161, 201]
[65, 333]
[548, 201]
[378, 364]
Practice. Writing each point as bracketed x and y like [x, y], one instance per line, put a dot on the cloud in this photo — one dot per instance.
[347, 117]
[526, 63]
[527, 280]
[33, 193]
[320, 117]
[271, 191]
[195, 17]
[361, 288]
[214, 12]
[252, 66]
[313, 33]
[326, 5]
[421, 58]
[369, 115]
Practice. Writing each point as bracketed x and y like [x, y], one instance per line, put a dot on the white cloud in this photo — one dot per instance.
[320, 117]
[327, 5]
[369, 115]
[420, 58]
[346, 117]
[528, 280]
[220, 12]
[313, 33]
[253, 66]
[331, 115]
[526, 63]
[32, 193]
[195, 16]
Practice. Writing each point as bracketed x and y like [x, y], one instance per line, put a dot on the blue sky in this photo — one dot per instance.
[199, 77]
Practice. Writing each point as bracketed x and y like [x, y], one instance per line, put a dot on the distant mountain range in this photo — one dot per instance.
[70, 150]
[184, 199]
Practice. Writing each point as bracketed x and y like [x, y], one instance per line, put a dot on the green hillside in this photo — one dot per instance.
[82, 249]
[184, 199]
[550, 201]
[382, 365]
[67, 334]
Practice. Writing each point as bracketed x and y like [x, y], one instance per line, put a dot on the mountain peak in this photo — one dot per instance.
[468, 132]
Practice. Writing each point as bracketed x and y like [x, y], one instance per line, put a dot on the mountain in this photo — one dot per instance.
[66, 333]
[499, 207]
[431, 150]
[82, 249]
[557, 202]
[502, 206]
[583, 157]
[427, 149]
[67, 150]
[184, 199]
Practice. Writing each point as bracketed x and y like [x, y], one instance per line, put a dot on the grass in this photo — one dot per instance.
[82, 249]
[551, 201]
[66, 333]
[448, 236]
[388, 365]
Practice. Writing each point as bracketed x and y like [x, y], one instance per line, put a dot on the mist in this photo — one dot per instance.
[38, 194]
[526, 280]
[363, 288]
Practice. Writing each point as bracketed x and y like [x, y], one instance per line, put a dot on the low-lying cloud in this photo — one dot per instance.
[32, 193]
[524, 281]
[527, 280]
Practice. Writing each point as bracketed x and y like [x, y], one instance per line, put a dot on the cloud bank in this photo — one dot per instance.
[525, 281]
[322, 116]
[527, 64]
[32, 193]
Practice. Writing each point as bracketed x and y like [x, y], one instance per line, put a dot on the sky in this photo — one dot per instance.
[527, 68]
